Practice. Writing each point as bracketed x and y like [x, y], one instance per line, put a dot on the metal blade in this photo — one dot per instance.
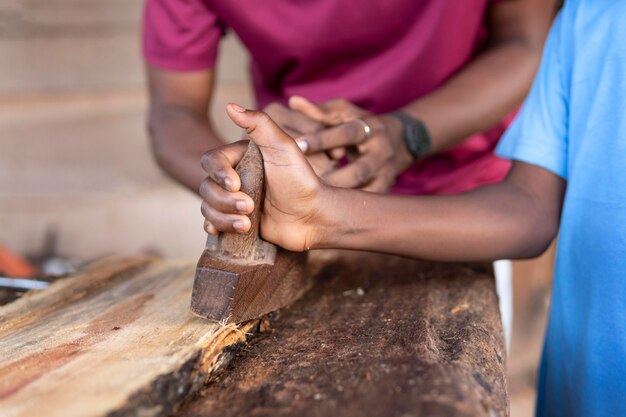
[22, 284]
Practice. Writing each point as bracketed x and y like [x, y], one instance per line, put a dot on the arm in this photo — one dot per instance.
[474, 100]
[490, 87]
[517, 218]
[181, 131]
[179, 127]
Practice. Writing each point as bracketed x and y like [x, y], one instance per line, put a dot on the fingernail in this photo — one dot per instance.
[241, 205]
[238, 225]
[237, 107]
[228, 183]
[302, 144]
[209, 228]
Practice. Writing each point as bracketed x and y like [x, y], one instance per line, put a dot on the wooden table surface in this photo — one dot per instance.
[117, 339]
[376, 336]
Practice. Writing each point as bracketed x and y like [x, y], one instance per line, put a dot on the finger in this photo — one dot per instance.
[263, 131]
[291, 132]
[225, 222]
[321, 163]
[219, 163]
[355, 174]
[338, 153]
[343, 109]
[210, 229]
[225, 201]
[346, 134]
[313, 111]
[381, 184]
[296, 123]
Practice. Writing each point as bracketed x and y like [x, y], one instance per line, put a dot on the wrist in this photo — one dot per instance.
[395, 131]
[322, 219]
[416, 136]
[332, 220]
[342, 219]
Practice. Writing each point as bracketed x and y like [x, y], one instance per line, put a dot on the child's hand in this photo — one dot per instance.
[290, 214]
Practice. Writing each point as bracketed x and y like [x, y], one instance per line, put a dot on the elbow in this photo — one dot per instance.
[525, 48]
[529, 53]
[546, 234]
[540, 234]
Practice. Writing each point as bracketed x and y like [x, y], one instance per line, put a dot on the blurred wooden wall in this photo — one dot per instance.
[74, 156]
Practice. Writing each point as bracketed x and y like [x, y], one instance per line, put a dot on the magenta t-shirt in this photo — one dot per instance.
[379, 54]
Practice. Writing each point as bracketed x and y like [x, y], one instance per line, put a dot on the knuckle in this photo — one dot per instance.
[263, 117]
[217, 175]
[212, 162]
[220, 176]
[217, 156]
[363, 174]
[338, 101]
[315, 142]
[206, 159]
[353, 130]
[216, 218]
[220, 223]
[386, 152]
[204, 209]
[204, 188]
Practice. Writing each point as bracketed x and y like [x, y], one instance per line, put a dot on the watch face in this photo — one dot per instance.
[418, 137]
[414, 132]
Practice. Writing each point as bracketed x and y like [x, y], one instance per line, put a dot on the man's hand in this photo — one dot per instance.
[296, 124]
[292, 190]
[376, 159]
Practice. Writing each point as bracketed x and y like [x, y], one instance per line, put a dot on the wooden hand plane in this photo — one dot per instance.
[239, 276]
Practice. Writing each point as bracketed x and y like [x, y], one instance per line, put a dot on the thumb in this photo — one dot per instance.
[261, 128]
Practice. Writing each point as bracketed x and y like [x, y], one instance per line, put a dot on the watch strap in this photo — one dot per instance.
[416, 136]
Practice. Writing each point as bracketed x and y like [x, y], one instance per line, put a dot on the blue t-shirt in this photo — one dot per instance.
[574, 124]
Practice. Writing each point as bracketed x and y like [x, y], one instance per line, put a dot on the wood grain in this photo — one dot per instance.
[231, 292]
[376, 336]
[115, 340]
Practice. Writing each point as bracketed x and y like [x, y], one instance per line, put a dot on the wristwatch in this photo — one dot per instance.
[416, 136]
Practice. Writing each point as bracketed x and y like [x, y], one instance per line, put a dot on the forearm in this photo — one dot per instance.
[479, 97]
[490, 87]
[179, 139]
[493, 222]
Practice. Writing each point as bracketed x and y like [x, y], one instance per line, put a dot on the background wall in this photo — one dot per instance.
[74, 156]
[76, 175]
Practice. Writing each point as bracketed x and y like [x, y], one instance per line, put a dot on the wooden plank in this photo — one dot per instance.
[116, 340]
[377, 336]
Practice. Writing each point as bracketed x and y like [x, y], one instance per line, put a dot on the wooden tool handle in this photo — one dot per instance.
[252, 175]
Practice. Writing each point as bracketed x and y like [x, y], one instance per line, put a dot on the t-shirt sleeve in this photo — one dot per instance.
[538, 135]
[180, 35]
